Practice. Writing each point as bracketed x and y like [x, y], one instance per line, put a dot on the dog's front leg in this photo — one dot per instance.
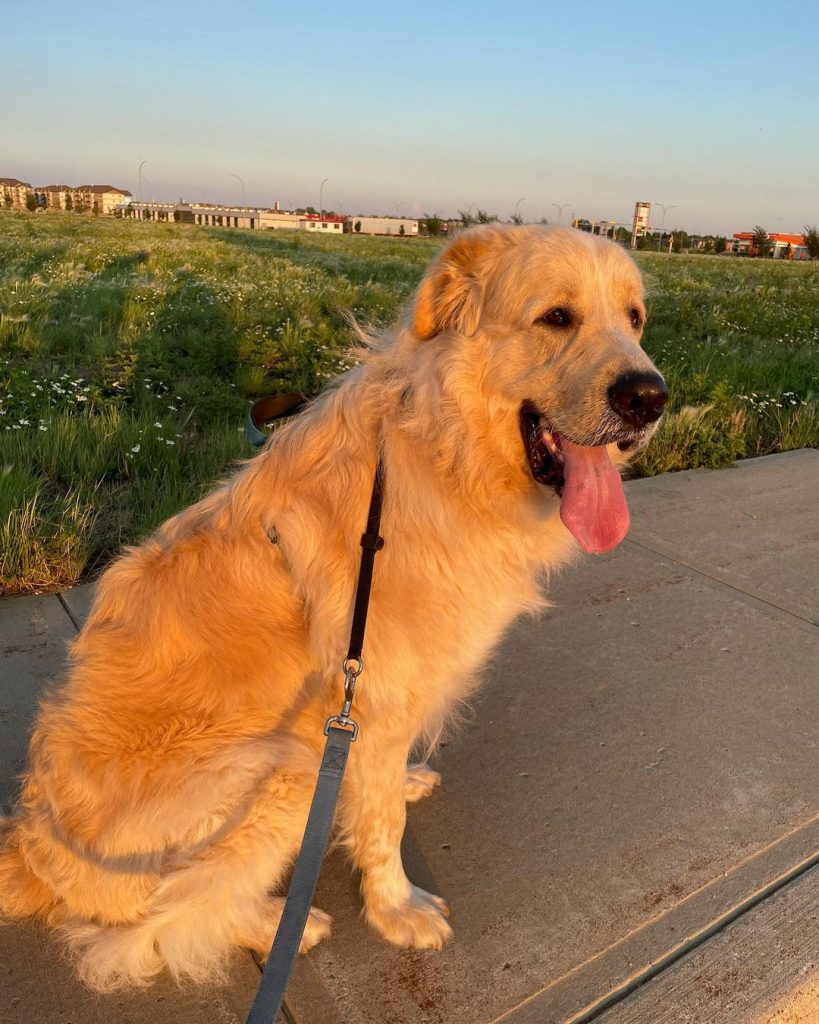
[373, 820]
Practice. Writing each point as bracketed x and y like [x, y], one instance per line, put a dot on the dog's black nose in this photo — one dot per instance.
[638, 397]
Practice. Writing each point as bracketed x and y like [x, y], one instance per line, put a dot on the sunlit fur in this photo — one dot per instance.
[171, 772]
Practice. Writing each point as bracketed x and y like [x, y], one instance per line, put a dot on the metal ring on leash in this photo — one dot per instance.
[347, 670]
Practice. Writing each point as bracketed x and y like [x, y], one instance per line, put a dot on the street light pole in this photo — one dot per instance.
[139, 185]
[241, 182]
[517, 205]
[560, 207]
[321, 197]
[665, 208]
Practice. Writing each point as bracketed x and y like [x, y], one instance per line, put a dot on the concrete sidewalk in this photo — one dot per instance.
[642, 762]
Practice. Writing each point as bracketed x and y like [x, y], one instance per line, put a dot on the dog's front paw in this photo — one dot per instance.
[421, 780]
[420, 923]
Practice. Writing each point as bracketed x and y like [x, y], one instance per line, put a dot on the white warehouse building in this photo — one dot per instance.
[383, 226]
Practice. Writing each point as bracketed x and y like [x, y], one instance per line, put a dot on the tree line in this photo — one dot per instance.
[762, 245]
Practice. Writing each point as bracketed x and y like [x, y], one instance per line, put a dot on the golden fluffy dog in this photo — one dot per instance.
[171, 774]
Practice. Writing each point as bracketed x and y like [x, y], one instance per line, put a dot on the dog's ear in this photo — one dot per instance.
[451, 295]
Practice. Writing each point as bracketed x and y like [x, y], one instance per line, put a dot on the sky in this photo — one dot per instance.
[711, 108]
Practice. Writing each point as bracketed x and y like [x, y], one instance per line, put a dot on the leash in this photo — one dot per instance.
[341, 731]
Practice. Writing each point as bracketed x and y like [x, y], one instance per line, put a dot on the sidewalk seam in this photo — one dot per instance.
[694, 567]
[593, 1011]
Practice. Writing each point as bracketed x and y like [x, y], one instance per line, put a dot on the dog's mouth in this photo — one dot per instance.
[593, 505]
[543, 449]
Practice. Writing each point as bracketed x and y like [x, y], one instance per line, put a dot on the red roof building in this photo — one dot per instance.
[783, 245]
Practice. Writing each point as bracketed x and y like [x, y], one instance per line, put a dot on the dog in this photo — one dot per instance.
[171, 773]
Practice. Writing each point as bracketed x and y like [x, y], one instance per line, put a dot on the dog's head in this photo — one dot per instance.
[556, 316]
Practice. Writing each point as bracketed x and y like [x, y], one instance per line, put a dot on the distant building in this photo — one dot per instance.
[783, 245]
[54, 197]
[98, 198]
[640, 224]
[13, 193]
[790, 247]
[280, 220]
[82, 199]
[402, 226]
[327, 223]
[205, 214]
[215, 215]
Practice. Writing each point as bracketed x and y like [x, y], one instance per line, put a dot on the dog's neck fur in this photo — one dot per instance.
[425, 407]
[454, 469]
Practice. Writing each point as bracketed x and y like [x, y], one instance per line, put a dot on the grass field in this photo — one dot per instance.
[128, 352]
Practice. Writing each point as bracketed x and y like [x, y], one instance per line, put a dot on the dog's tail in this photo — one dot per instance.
[22, 893]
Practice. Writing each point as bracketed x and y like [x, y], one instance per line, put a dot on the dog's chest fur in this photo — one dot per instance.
[444, 592]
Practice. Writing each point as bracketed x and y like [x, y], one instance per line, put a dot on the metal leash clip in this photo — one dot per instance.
[350, 676]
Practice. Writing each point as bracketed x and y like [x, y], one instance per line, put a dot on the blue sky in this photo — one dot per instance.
[430, 107]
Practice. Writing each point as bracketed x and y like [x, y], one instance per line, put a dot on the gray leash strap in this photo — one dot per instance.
[271, 989]
[340, 730]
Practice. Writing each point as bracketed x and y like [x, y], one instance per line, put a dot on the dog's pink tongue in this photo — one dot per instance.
[593, 507]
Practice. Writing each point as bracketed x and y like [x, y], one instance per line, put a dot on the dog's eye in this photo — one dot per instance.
[636, 318]
[557, 317]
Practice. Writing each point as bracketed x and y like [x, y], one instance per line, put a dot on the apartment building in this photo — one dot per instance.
[13, 193]
[54, 197]
[83, 198]
[98, 198]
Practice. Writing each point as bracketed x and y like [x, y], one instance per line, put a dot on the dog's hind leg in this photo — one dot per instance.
[22, 893]
[421, 781]
[208, 903]
[259, 934]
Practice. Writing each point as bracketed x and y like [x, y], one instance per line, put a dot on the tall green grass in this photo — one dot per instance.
[128, 353]
[738, 343]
